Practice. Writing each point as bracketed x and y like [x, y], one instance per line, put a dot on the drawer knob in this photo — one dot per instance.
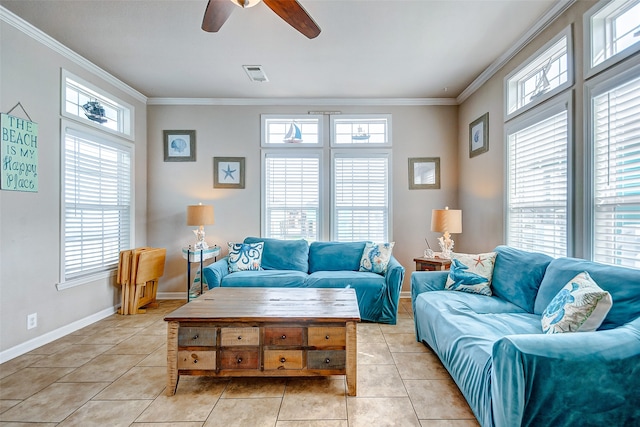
[284, 337]
[327, 360]
[239, 337]
[282, 360]
[326, 337]
[195, 337]
[239, 360]
[195, 360]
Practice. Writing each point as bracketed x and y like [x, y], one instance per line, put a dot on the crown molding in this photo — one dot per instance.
[48, 41]
[304, 101]
[551, 15]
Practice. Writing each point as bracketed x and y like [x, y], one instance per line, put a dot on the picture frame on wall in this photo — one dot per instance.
[179, 145]
[424, 173]
[228, 172]
[479, 136]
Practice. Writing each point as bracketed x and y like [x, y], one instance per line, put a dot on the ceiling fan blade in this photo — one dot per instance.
[295, 15]
[216, 13]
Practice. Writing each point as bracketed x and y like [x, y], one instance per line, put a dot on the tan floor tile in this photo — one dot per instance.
[111, 336]
[380, 381]
[404, 325]
[374, 354]
[449, 423]
[313, 423]
[438, 399]
[314, 399]
[157, 358]
[57, 345]
[29, 381]
[104, 368]
[381, 412]
[14, 365]
[54, 403]
[369, 332]
[254, 387]
[19, 424]
[194, 400]
[420, 366]
[137, 383]
[139, 344]
[400, 343]
[141, 321]
[6, 404]
[73, 356]
[172, 424]
[244, 412]
[159, 327]
[100, 413]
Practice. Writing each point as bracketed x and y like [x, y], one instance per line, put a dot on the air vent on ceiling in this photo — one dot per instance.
[255, 73]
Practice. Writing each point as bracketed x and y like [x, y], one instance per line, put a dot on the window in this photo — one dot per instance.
[612, 32]
[547, 73]
[292, 131]
[82, 101]
[291, 195]
[537, 183]
[615, 147]
[360, 196]
[96, 202]
[365, 129]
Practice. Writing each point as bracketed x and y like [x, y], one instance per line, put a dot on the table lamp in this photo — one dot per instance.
[200, 215]
[446, 221]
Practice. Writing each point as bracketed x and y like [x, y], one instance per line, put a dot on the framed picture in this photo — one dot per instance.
[479, 136]
[424, 173]
[228, 172]
[179, 145]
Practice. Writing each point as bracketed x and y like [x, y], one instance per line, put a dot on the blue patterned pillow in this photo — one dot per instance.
[375, 257]
[471, 273]
[580, 306]
[245, 256]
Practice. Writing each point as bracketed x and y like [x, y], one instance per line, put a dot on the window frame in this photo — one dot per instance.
[543, 112]
[360, 118]
[112, 141]
[264, 118]
[566, 32]
[602, 83]
[591, 70]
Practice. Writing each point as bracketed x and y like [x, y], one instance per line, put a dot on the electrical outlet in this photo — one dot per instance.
[32, 320]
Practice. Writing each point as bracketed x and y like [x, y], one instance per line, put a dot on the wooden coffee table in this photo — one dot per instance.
[264, 332]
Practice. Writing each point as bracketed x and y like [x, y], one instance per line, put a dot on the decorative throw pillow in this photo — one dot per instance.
[471, 273]
[245, 256]
[375, 257]
[580, 306]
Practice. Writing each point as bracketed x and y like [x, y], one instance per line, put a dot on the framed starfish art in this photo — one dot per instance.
[228, 172]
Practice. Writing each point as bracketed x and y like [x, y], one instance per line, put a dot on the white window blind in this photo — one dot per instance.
[292, 196]
[537, 185]
[96, 203]
[616, 198]
[361, 197]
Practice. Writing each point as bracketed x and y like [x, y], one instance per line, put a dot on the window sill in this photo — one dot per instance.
[85, 280]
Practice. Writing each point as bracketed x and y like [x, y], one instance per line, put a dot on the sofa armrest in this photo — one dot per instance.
[424, 281]
[214, 272]
[393, 284]
[582, 378]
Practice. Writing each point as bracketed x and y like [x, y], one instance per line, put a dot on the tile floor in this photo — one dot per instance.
[113, 373]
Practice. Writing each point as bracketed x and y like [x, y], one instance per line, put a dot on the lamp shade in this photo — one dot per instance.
[446, 220]
[199, 215]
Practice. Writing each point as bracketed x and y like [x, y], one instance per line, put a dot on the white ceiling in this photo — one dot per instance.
[367, 48]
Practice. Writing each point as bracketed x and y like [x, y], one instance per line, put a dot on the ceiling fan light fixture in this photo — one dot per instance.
[246, 3]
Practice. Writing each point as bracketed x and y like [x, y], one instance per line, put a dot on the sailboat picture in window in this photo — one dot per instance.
[294, 135]
[360, 135]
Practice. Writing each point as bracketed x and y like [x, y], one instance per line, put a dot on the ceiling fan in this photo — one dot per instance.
[218, 11]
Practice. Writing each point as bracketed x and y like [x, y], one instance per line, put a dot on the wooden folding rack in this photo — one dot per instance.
[138, 273]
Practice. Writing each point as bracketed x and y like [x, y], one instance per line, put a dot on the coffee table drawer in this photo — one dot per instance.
[326, 359]
[282, 336]
[196, 337]
[205, 360]
[239, 359]
[283, 359]
[333, 336]
[232, 337]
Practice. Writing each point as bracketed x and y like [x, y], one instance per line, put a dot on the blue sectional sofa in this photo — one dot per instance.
[296, 263]
[513, 374]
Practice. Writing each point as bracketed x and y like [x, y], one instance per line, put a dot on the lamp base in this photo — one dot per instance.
[446, 245]
[200, 243]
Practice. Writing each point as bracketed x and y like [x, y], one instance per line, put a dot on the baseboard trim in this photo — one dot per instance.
[36, 342]
[405, 294]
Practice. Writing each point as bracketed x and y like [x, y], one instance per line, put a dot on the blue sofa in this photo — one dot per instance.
[296, 264]
[509, 371]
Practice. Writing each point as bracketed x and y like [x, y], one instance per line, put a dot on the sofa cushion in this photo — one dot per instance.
[517, 275]
[265, 279]
[471, 273]
[335, 256]
[283, 254]
[620, 282]
[244, 256]
[580, 306]
[375, 257]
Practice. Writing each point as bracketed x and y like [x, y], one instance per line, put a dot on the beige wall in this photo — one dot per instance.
[482, 177]
[30, 222]
[234, 131]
